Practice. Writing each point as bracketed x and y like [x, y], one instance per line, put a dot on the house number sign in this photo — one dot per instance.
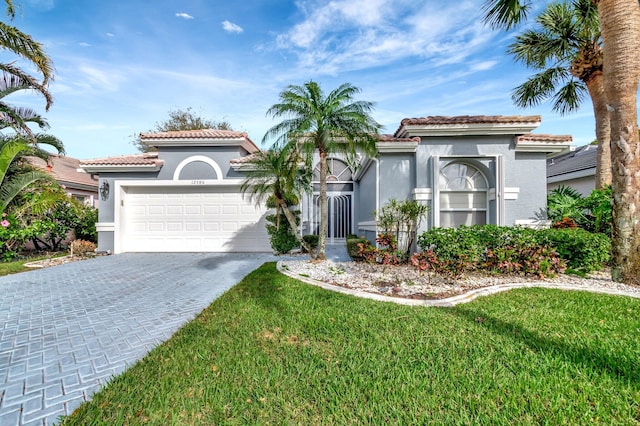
[197, 182]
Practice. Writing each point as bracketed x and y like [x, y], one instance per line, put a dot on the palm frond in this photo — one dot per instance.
[18, 183]
[21, 44]
[505, 14]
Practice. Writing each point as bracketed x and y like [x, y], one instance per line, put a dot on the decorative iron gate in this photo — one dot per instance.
[340, 216]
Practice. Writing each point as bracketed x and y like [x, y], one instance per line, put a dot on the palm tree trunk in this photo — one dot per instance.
[595, 85]
[322, 240]
[294, 226]
[620, 22]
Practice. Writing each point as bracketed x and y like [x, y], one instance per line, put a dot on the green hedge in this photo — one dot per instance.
[582, 250]
[466, 248]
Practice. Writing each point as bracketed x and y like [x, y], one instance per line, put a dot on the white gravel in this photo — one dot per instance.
[408, 283]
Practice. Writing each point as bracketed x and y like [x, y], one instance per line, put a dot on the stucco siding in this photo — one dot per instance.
[366, 195]
[526, 172]
[583, 185]
[397, 177]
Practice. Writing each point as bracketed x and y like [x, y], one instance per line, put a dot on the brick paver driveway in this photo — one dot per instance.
[65, 330]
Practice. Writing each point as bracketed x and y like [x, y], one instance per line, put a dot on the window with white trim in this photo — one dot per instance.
[463, 195]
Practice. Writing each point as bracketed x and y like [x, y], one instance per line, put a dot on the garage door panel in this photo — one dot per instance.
[173, 219]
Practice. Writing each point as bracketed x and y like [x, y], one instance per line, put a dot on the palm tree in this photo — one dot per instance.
[278, 174]
[620, 26]
[565, 47]
[23, 46]
[335, 123]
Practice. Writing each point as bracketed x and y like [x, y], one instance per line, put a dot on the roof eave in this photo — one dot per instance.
[476, 129]
[396, 147]
[550, 148]
[120, 168]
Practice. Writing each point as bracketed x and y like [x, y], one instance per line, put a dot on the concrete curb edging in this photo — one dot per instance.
[449, 301]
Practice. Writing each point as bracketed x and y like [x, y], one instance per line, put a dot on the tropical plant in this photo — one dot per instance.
[24, 47]
[565, 47]
[326, 124]
[402, 220]
[282, 176]
[180, 119]
[620, 27]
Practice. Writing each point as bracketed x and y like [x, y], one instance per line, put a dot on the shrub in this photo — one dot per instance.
[583, 251]
[312, 240]
[13, 237]
[352, 245]
[82, 248]
[86, 228]
[503, 249]
[281, 238]
[401, 220]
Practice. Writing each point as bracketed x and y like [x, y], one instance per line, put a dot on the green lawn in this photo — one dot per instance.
[8, 268]
[276, 351]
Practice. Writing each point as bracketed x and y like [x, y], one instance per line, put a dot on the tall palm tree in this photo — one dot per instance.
[620, 26]
[565, 47]
[23, 46]
[17, 118]
[335, 123]
[278, 174]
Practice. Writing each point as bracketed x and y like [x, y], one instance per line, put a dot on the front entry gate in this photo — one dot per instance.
[340, 216]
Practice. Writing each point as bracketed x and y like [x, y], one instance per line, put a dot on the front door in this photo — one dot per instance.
[340, 216]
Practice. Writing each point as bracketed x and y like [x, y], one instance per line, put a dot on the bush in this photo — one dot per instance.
[82, 248]
[583, 251]
[282, 238]
[312, 240]
[492, 248]
[86, 228]
[352, 246]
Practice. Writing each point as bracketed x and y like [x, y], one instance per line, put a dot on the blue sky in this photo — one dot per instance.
[122, 65]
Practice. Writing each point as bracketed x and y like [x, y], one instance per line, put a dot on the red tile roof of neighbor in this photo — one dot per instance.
[471, 119]
[64, 170]
[144, 159]
[200, 134]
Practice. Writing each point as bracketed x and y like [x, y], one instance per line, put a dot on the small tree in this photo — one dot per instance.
[401, 220]
[180, 120]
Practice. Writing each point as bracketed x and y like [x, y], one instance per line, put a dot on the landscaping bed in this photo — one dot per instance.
[408, 282]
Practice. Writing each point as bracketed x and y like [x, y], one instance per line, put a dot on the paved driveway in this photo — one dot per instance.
[65, 330]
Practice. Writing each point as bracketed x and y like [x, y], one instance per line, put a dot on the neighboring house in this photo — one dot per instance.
[186, 197]
[65, 170]
[576, 169]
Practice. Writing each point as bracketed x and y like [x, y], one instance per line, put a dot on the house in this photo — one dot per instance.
[576, 169]
[65, 170]
[186, 196]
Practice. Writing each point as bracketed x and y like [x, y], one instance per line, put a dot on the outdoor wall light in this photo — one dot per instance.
[104, 191]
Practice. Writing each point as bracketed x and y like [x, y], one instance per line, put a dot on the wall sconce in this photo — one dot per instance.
[104, 190]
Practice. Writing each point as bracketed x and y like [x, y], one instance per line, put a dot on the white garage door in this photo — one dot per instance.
[191, 219]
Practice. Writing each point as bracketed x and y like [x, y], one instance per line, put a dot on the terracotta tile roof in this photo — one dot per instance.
[243, 160]
[144, 159]
[65, 171]
[471, 119]
[544, 138]
[392, 138]
[202, 134]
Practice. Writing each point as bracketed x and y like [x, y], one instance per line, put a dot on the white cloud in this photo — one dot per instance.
[231, 27]
[111, 35]
[184, 15]
[345, 35]
[84, 44]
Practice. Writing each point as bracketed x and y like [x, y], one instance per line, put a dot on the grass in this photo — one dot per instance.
[273, 350]
[16, 266]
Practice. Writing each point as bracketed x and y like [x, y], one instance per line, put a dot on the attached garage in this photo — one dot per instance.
[183, 197]
[189, 219]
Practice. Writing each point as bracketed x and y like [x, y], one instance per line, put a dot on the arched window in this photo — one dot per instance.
[463, 195]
